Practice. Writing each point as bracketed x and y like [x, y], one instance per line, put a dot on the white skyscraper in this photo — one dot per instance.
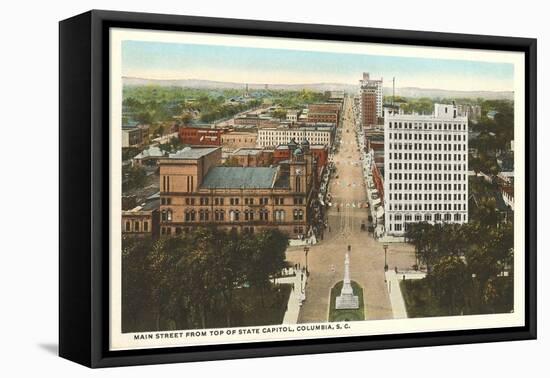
[425, 168]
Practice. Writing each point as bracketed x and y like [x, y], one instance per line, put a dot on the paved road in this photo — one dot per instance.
[326, 259]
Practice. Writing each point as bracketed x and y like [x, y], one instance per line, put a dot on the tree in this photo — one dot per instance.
[448, 281]
[136, 280]
[466, 262]
[188, 280]
[133, 177]
[234, 254]
[267, 257]
[279, 113]
[186, 118]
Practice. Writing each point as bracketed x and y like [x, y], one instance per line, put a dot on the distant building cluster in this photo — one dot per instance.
[262, 168]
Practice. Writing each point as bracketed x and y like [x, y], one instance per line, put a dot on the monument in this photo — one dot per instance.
[346, 300]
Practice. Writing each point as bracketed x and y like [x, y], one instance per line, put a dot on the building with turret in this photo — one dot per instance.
[195, 190]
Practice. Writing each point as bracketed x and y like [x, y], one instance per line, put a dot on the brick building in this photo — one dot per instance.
[196, 191]
[256, 121]
[200, 136]
[238, 139]
[323, 113]
[318, 151]
[142, 220]
[368, 105]
[252, 157]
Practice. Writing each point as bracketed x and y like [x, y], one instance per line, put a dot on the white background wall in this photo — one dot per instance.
[29, 189]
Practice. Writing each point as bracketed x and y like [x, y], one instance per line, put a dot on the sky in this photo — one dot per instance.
[159, 60]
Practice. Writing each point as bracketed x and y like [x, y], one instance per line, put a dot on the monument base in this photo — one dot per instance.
[347, 302]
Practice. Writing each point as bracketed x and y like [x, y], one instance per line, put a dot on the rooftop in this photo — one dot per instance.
[192, 153]
[240, 178]
[149, 205]
[247, 151]
[152, 151]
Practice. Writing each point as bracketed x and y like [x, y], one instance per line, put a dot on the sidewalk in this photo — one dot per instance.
[296, 296]
[394, 289]
[297, 242]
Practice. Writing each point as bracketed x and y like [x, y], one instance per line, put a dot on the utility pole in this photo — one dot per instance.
[393, 93]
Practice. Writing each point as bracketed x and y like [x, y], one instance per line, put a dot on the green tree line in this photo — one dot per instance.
[465, 264]
[191, 280]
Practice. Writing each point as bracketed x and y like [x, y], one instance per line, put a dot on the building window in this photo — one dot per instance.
[279, 215]
[190, 216]
[249, 215]
[219, 215]
[298, 200]
[298, 184]
[298, 214]
[234, 215]
[146, 226]
[128, 226]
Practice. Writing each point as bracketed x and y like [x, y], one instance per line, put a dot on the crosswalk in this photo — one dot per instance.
[353, 205]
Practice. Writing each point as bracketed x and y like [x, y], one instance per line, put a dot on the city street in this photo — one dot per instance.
[325, 260]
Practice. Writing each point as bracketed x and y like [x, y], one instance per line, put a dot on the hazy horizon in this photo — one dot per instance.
[313, 83]
[260, 66]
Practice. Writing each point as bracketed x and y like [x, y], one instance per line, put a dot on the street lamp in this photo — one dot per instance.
[306, 250]
[385, 257]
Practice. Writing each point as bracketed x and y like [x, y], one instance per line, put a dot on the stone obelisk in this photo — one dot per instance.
[346, 299]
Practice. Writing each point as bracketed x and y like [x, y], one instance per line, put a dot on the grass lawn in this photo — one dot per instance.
[249, 311]
[418, 301]
[346, 315]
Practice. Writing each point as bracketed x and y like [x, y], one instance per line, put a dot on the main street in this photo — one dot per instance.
[326, 259]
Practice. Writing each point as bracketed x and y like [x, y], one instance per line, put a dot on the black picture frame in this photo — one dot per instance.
[84, 187]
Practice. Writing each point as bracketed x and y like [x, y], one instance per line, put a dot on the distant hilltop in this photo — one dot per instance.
[210, 84]
[443, 93]
[321, 87]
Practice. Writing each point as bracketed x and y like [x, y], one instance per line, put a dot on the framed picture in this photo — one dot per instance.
[235, 188]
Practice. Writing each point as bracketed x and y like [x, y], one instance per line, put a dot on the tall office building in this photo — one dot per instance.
[371, 100]
[425, 168]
